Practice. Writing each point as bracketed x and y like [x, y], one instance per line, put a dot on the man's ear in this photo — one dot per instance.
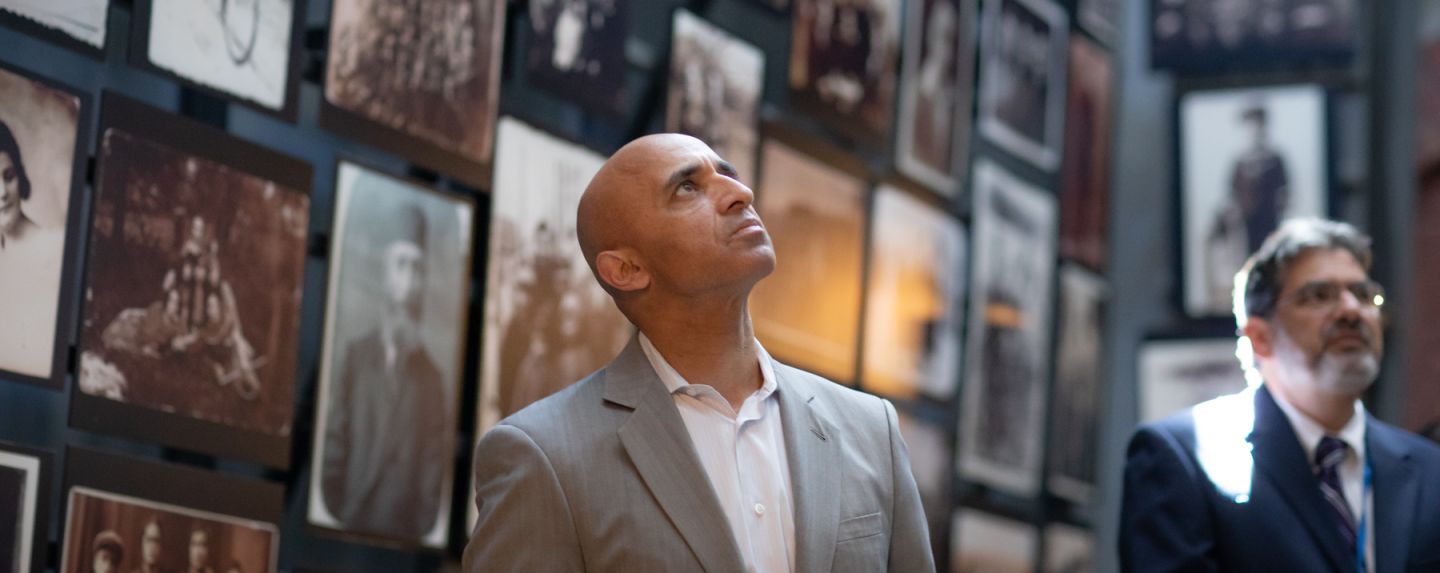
[621, 270]
[1261, 335]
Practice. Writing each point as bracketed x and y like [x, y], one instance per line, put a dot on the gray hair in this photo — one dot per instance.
[1258, 284]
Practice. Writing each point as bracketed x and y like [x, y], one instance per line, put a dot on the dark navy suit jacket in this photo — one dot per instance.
[1225, 486]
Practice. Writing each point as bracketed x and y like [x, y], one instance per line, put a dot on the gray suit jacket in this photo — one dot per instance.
[603, 476]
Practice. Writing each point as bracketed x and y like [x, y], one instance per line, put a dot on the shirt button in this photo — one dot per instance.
[759, 509]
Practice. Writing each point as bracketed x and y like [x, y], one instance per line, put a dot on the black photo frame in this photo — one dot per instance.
[89, 409]
[65, 307]
[36, 498]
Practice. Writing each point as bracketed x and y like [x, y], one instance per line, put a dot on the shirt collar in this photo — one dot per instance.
[1310, 432]
[674, 382]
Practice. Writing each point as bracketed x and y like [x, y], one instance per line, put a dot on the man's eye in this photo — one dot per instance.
[689, 186]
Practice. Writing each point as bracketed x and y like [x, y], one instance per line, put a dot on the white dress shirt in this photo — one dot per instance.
[1352, 469]
[744, 456]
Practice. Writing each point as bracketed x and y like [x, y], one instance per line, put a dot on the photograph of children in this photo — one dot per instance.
[1007, 363]
[113, 533]
[986, 543]
[936, 90]
[82, 21]
[1422, 404]
[428, 69]
[1177, 374]
[393, 352]
[931, 461]
[914, 307]
[843, 59]
[547, 322]
[39, 128]
[714, 91]
[240, 48]
[22, 501]
[577, 51]
[1085, 174]
[193, 283]
[1022, 78]
[1068, 549]
[1203, 36]
[1102, 18]
[807, 313]
[1249, 158]
[1074, 406]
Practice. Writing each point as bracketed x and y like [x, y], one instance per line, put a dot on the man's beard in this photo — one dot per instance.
[1345, 373]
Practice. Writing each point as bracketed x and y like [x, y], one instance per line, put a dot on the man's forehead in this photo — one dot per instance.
[1324, 264]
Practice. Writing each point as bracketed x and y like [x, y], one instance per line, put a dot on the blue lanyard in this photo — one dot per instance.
[1360, 527]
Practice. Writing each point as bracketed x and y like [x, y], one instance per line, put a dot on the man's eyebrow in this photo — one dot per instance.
[681, 174]
[725, 168]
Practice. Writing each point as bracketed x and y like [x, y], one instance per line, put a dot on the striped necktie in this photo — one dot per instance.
[1328, 456]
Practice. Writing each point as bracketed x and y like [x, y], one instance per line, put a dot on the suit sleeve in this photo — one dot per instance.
[524, 519]
[909, 535]
[1165, 523]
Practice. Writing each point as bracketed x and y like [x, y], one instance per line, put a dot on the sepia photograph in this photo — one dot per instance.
[1079, 384]
[1007, 363]
[1068, 549]
[1176, 374]
[577, 51]
[1022, 78]
[714, 90]
[1102, 18]
[915, 299]
[1210, 36]
[936, 92]
[1085, 173]
[242, 49]
[843, 62]
[24, 537]
[394, 347]
[76, 23]
[1249, 159]
[42, 155]
[437, 91]
[125, 514]
[192, 292]
[931, 461]
[807, 313]
[987, 543]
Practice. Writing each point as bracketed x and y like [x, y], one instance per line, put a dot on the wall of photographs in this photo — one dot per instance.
[232, 228]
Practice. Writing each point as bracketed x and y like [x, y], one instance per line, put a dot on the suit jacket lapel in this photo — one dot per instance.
[1395, 489]
[1279, 456]
[813, 447]
[658, 443]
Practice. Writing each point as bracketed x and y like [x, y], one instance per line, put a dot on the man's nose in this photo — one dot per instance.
[736, 196]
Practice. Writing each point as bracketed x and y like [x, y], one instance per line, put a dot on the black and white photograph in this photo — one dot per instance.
[243, 49]
[42, 155]
[1075, 402]
[1007, 363]
[1102, 18]
[547, 321]
[125, 514]
[1176, 374]
[1068, 549]
[1212, 36]
[390, 370]
[1022, 78]
[577, 51]
[931, 461]
[714, 91]
[936, 92]
[80, 24]
[1249, 158]
[844, 56]
[1085, 174]
[189, 334]
[807, 313]
[432, 96]
[983, 542]
[915, 299]
[24, 479]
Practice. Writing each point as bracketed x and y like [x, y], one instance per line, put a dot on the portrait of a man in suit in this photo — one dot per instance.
[693, 449]
[1292, 473]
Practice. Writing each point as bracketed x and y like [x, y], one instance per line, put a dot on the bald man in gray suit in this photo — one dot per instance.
[693, 450]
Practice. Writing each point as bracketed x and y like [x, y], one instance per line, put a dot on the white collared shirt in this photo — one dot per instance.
[744, 456]
[1352, 469]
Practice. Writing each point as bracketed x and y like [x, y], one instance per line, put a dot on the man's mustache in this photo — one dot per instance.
[1349, 330]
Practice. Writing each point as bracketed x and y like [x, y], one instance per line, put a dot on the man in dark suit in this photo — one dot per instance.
[1292, 474]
